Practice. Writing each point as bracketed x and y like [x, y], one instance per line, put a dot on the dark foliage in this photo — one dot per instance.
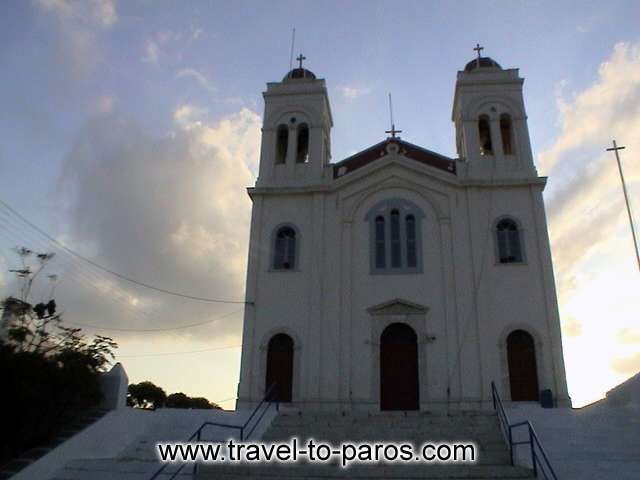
[150, 396]
[50, 373]
[146, 395]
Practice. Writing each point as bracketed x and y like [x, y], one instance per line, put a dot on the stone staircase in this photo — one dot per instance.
[480, 428]
[32, 455]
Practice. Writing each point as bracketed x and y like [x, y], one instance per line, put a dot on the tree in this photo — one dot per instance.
[142, 395]
[146, 395]
[178, 400]
[201, 402]
[49, 372]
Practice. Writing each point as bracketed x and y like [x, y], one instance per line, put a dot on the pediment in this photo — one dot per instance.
[398, 307]
[389, 148]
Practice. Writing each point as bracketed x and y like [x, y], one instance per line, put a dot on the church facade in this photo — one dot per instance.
[399, 278]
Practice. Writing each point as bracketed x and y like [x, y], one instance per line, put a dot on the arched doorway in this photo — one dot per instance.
[280, 366]
[399, 368]
[523, 371]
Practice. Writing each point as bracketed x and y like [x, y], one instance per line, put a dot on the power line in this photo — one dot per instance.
[97, 327]
[76, 265]
[116, 274]
[178, 353]
[83, 276]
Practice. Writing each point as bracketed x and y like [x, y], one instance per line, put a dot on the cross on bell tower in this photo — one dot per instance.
[478, 49]
[300, 58]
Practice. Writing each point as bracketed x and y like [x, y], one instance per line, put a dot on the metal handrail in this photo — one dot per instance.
[534, 442]
[269, 398]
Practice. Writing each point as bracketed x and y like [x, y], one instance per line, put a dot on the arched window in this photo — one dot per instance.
[395, 243]
[380, 243]
[506, 132]
[302, 155]
[284, 254]
[508, 241]
[484, 130]
[410, 223]
[282, 143]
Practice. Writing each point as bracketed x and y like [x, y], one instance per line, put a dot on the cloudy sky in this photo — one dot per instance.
[131, 129]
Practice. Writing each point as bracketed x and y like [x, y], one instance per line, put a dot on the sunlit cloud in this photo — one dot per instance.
[188, 116]
[593, 256]
[627, 365]
[628, 336]
[171, 211]
[572, 327]
[351, 93]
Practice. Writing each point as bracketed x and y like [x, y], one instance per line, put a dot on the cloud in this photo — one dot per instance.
[95, 13]
[151, 50]
[196, 33]
[584, 198]
[154, 46]
[588, 227]
[628, 336]
[171, 211]
[627, 365]
[104, 104]
[572, 328]
[352, 93]
[197, 76]
[601, 112]
[188, 116]
[79, 24]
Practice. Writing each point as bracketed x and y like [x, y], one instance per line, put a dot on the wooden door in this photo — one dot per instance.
[523, 371]
[280, 367]
[399, 385]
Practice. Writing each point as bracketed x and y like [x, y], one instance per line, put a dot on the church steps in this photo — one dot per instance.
[416, 428]
[405, 472]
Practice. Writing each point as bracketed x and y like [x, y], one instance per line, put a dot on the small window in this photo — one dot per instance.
[410, 223]
[508, 240]
[484, 130]
[284, 255]
[303, 144]
[380, 243]
[282, 143]
[506, 132]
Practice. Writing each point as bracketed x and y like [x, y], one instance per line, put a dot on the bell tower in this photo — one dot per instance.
[492, 136]
[296, 132]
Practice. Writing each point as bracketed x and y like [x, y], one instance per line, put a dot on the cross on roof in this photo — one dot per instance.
[393, 131]
[478, 49]
[300, 58]
[615, 147]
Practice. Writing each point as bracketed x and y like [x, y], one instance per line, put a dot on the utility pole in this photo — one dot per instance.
[615, 149]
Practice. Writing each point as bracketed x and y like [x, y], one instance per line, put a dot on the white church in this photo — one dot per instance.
[400, 278]
[383, 291]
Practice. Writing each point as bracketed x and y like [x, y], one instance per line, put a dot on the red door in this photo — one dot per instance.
[399, 368]
[523, 371]
[280, 367]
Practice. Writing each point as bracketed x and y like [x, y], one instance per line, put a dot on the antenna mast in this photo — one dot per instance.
[293, 41]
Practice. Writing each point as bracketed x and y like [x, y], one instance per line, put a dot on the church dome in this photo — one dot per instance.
[482, 63]
[298, 73]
